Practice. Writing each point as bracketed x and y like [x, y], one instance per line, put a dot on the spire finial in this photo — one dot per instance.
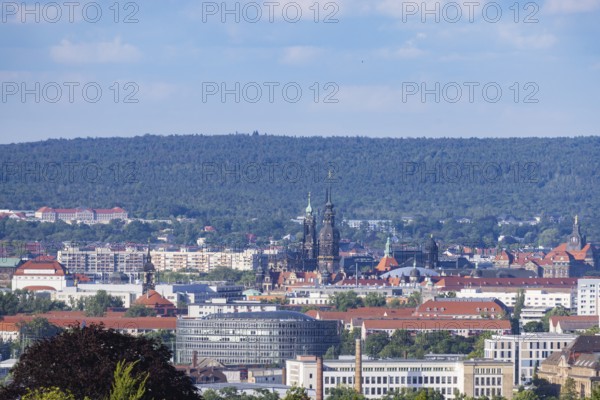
[388, 248]
[576, 219]
[309, 207]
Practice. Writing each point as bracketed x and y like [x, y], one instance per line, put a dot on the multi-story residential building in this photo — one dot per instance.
[534, 297]
[85, 215]
[206, 260]
[102, 261]
[526, 351]
[223, 306]
[254, 338]
[447, 374]
[588, 292]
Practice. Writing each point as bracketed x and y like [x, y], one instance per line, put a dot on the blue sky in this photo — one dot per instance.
[377, 68]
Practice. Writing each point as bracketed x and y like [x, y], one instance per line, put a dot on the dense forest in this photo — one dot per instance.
[241, 182]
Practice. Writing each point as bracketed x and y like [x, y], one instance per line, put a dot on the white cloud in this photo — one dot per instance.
[571, 6]
[296, 55]
[408, 50]
[94, 53]
[527, 42]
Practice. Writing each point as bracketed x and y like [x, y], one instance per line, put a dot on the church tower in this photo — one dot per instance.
[329, 242]
[431, 254]
[575, 241]
[149, 271]
[309, 238]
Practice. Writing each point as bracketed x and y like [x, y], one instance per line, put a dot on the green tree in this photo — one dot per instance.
[415, 299]
[479, 346]
[555, 312]
[533, 326]
[375, 343]
[342, 301]
[83, 361]
[52, 393]
[37, 329]
[374, 300]
[568, 390]
[140, 310]
[331, 353]
[127, 386]
[525, 395]
[344, 393]
[96, 305]
[297, 393]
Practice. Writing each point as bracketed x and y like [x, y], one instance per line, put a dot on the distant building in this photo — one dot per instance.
[43, 273]
[526, 351]
[85, 215]
[223, 306]
[573, 258]
[588, 293]
[462, 308]
[446, 374]
[572, 323]
[578, 361]
[254, 338]
[8, 266]
[462, 327]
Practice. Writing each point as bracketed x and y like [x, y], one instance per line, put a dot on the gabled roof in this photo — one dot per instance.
[153, 299]
[473, 308]
[386, 264]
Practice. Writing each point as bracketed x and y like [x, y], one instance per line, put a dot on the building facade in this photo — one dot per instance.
[526, 352]
[447, 374]
[85, 215]
[254, 338]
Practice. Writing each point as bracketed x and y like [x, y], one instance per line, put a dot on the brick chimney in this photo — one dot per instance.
[195, 359]
[319, 386]
[358, 367]
[283, 377]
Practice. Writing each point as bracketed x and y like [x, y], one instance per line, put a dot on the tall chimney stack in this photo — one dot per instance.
[319, 378]
[358, 368]
[194, 359]
[283, 377]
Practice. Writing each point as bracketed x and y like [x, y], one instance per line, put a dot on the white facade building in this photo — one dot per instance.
[525, 351]
[588, 291]
[43, 273]
[447, 374]
[221, 305]
[534, 298]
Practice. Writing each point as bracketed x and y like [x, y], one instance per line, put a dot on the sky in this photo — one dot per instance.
[375, 68]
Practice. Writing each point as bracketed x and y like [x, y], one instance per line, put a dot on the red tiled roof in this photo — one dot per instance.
[436, 324]
[364, 312]
[153, 299]
[76, 319]
[472, 308]
[386, 264]
[579, 255]
[573, 318]
[46, 263]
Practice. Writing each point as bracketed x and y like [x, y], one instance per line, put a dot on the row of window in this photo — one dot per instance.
[398, 380]
[488, 381]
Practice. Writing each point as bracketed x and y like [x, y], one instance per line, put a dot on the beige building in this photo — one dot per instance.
[579, 361]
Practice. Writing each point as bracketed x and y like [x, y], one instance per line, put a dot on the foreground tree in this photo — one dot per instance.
[82, 361]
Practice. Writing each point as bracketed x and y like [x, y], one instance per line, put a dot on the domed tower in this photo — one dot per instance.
[415, 275]
[329, 241]
[431, 253]
[309, 237]
[149, 271]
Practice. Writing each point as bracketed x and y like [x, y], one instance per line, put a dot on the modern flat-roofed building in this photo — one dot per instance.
[447, 374]
[525, 351]
[224, 306]
[588, 292]
[254, 338]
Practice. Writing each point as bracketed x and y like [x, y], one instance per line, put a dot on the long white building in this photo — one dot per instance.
[534, 297]
[447, 374]
[526, 351]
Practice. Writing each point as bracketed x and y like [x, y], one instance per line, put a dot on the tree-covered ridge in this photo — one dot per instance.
[254, 176]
